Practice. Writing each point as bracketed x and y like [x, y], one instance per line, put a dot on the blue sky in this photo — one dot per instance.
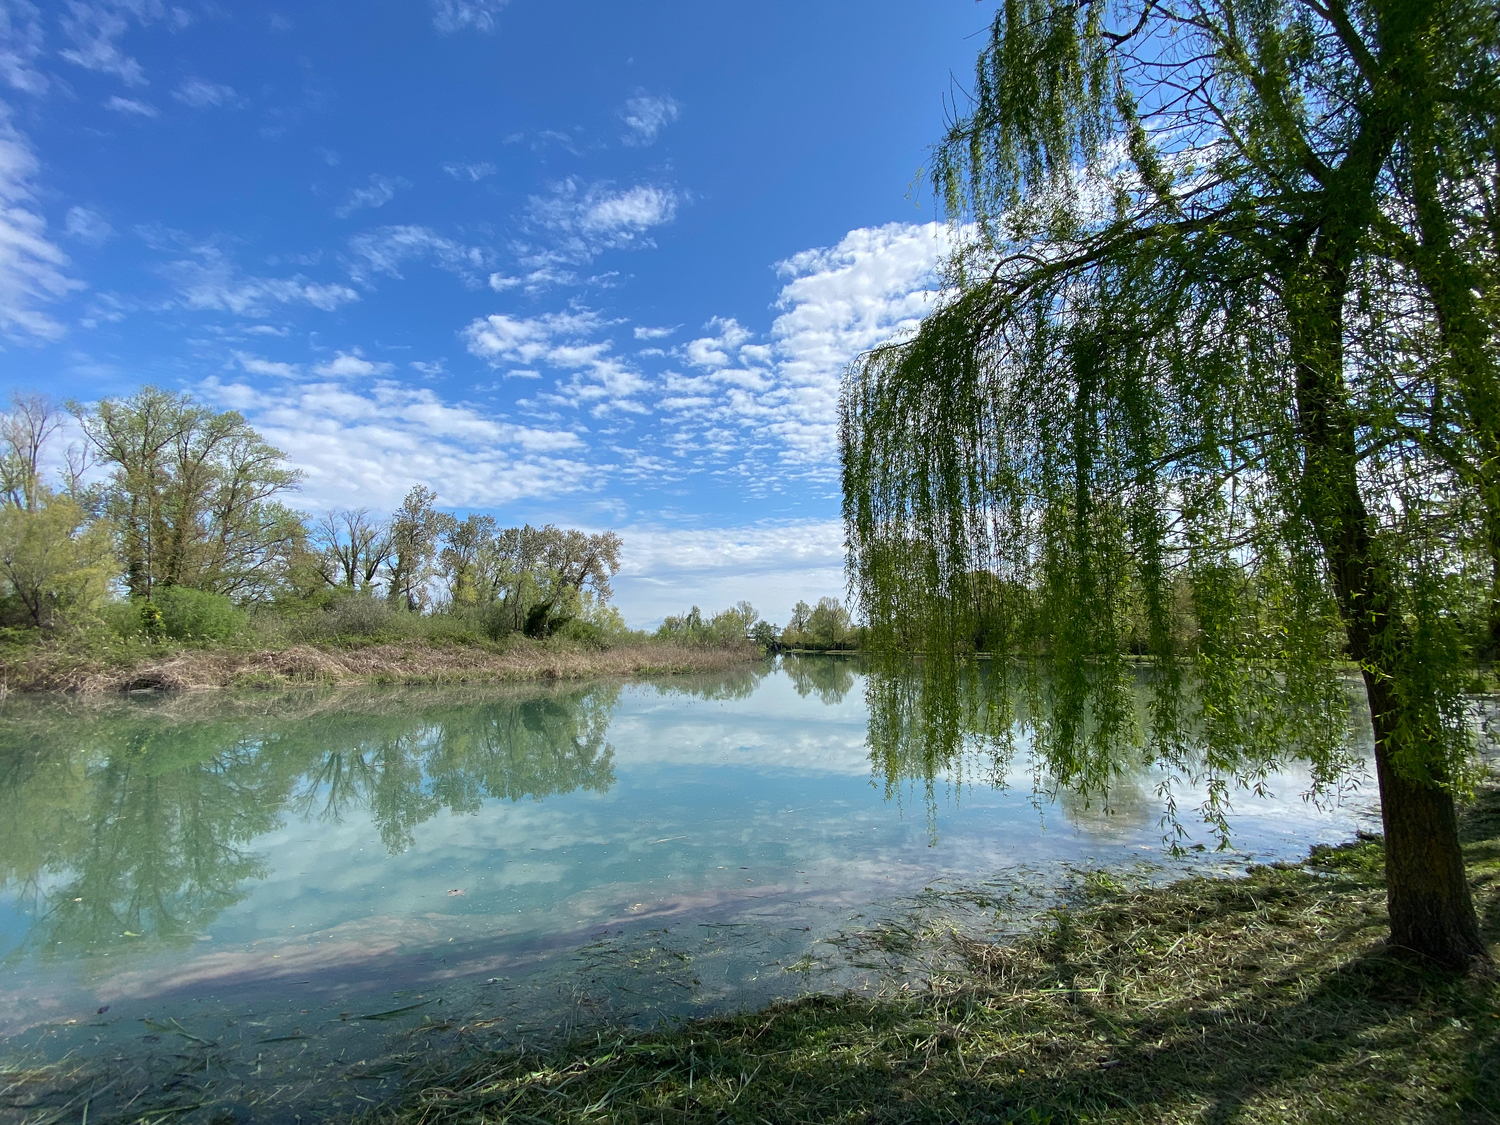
[599, 264]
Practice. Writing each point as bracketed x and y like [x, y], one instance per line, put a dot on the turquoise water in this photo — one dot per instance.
[247, 876]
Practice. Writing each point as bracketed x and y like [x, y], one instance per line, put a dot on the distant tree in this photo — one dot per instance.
[730, 626]
[415, 531]
[801, 614]
[191, 494]
[469, 561]
[765, 634]
[829, 624]
[24, 431]
[354, 547]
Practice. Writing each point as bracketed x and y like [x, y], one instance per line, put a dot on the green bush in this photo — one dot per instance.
[194, 615]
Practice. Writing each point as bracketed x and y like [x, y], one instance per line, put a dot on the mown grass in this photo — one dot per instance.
[1266, 999]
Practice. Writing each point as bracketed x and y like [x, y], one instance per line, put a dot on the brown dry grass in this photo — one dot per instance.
[58, 668]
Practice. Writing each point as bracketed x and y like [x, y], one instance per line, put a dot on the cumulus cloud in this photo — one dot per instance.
[32, 268]
[21, 46]
[385, 249]
[380, 191]
[201, 93]
[593, 379]
[95, 30]
[376, 440]
[642, 332]
[646, 116]
[778, 399]
[88, 225]
[346, 365]
[135, 106]
[459, 15]
[471, 172]
[209, 280]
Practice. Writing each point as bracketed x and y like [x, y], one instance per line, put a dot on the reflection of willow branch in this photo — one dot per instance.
[933, 718]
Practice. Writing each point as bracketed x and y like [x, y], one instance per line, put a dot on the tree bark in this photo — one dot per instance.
[1427, 892]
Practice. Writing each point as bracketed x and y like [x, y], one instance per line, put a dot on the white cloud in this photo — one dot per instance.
[130, 105]
[88, 225]
[772, 408]
[368, 444]
[596, 380]
[459, 15]
[201, 93]
[351, 365]
[254, 365]
[380, 191]
[471, 172]
[645, 116]
[21, 46]
[384, 249]
[644, 333]
[714, 351]
[502, 339]
[209, 280]
[772, 565]
[95, 29]
[31, 266]
[584, 221]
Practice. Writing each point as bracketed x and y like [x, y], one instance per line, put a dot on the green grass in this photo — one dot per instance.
[1265, 999]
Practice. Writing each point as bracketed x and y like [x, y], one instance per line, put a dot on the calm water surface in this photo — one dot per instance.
[244, 881]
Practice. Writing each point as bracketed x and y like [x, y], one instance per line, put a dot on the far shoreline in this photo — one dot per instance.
[61, 669]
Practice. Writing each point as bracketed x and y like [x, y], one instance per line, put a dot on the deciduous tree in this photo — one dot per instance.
[1223, 317]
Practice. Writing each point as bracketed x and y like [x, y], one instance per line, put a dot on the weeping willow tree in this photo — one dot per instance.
[1214, 383]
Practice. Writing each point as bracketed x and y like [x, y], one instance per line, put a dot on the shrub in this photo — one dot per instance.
[358, 615]
[188, 614]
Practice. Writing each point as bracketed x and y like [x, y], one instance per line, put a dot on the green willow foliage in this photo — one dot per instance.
[1214, 383]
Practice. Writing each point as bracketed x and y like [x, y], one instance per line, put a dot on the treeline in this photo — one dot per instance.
[168, 518]
[825, 627]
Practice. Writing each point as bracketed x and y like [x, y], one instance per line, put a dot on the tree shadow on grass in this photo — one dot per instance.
[1267, 999]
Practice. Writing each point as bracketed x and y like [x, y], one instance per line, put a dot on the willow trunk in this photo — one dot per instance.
[1427, 892]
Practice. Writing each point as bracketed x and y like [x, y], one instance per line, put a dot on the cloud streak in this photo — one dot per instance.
[32, 268]
[449, 16]
[377, 193]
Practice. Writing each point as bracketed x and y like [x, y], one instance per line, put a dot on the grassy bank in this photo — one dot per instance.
[100, 663]
[1266, 999]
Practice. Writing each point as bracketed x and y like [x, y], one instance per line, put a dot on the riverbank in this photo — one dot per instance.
[91, 669]
[1265, 999]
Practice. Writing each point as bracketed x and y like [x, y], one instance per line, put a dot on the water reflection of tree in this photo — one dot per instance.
[829, 677]
[737, 683]
[132, 825]
[969, 726]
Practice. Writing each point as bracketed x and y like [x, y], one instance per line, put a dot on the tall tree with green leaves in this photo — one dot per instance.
[192, 494]
[1221, 321]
